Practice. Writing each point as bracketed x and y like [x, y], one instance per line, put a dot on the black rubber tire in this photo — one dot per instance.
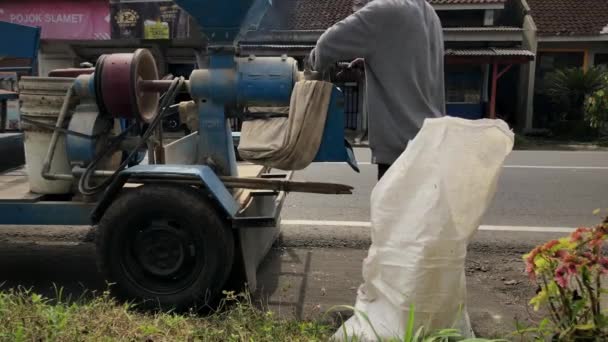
[209, 250]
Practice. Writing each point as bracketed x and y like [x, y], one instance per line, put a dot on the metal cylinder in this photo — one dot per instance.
[216, 85]
[266, 81]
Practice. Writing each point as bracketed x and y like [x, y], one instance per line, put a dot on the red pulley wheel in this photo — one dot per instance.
[117, 77]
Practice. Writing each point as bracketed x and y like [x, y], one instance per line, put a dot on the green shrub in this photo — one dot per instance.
[569, 275]
[568, 89]
[596, 108]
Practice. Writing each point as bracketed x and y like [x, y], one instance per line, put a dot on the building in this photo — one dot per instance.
[76, 31]
[489, 44]
[568, 33]
[485, 41]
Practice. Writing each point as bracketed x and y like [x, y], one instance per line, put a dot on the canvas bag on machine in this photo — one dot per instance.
[423, 212]
[292, 142]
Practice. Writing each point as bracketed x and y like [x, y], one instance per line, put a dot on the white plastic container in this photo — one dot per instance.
[36, 146]
[41, 100]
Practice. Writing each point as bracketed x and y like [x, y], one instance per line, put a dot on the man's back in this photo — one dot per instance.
[402, 44]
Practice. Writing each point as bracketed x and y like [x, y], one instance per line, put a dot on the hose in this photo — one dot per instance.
[84, 185]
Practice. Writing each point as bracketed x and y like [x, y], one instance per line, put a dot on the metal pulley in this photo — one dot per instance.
[117, 78]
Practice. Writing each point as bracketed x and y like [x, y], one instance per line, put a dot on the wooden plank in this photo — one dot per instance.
[243, 196]
[287, 185]
[14, 185]
[250, 170]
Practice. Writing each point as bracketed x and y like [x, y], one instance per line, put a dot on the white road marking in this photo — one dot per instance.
[526, 229]
[319, 223]
[364, 224]
[539, 167]
[550, 167]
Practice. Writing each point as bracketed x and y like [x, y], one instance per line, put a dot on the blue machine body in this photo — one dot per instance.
[235, 82]
[213, 89]
[82, 150]
[253, 81]
[229, 81]
[222, 21]
[334, 147]
[267, 80]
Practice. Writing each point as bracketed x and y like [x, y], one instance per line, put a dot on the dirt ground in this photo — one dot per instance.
[295, 281]
[307, 282]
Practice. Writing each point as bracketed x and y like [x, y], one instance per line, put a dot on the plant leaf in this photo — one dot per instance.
[588, 326]
[419, 334]
[409, 331]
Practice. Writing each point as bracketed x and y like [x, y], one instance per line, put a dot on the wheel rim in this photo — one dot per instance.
[162, 256]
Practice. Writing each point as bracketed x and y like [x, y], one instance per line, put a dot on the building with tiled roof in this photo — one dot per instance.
[480, 35]
[560, 33]
[320, 14]
[570, 17]
[568, 34]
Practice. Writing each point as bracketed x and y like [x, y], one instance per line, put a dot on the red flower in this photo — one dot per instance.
[530, 267]
[596, 242]
[530, 271]
[588, 259]
[561, 276]
[572, 259]
[550, 244]
[577, 235]
[604, 265]
[572, 268]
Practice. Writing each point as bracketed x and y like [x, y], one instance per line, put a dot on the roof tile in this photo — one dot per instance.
[570, 17]
[490, 52]
[321, 14]
[466, 2]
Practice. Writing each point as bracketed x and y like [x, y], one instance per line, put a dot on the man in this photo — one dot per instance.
[401, 45]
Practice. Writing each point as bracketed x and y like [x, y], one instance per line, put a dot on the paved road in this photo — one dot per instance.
[537, 188]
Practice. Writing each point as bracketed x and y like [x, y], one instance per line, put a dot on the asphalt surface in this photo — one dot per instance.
[536, 188]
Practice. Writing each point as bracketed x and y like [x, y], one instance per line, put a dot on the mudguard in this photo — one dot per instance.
[210, 182]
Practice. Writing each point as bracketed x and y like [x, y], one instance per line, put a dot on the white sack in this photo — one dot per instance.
[292, 142]
[423, 212]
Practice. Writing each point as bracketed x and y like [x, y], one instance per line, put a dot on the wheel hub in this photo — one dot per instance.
[161, 251]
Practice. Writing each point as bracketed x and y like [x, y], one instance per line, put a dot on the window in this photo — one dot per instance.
[551, 61]
[601, 59]
[464, 84]
[470, 18]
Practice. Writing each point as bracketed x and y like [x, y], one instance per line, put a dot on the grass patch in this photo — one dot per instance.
[27, 316]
